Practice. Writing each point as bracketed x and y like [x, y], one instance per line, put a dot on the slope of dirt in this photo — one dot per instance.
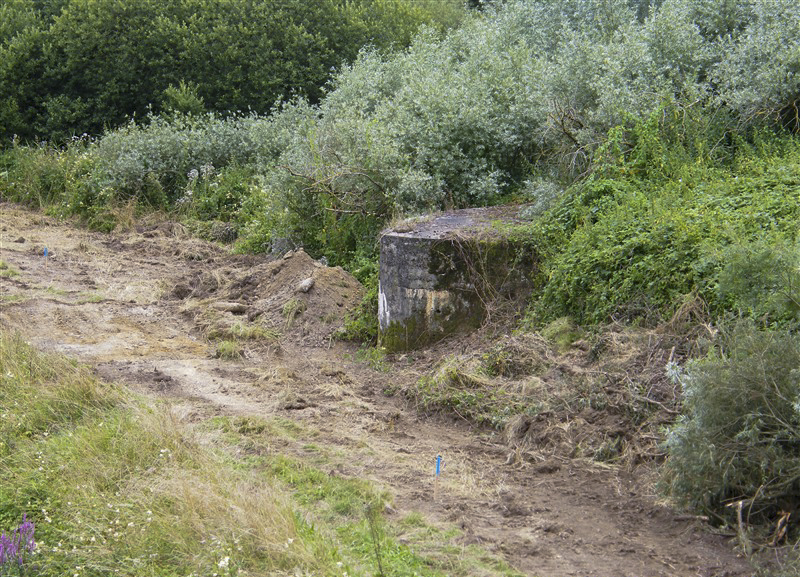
[141, 307]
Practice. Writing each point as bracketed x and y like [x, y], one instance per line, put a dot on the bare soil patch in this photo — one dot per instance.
[146, 308]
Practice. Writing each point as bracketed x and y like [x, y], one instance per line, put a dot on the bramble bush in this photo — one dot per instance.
[621, 247]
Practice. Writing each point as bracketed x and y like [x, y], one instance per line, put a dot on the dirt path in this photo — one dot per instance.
[138, 306]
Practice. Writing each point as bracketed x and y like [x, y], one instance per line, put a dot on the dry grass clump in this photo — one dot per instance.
[606, 397]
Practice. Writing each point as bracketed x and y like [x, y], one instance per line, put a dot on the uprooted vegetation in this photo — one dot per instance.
[659, 159]
[605, 397]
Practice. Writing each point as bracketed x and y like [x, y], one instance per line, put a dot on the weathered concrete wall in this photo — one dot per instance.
[443, 275]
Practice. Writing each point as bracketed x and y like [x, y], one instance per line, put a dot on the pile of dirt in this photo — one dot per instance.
[303, 299]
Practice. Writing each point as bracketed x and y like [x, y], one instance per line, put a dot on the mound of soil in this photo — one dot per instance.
[303, 299]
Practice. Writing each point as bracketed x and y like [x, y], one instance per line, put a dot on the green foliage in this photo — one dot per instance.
[16, 16]
[464, 119]
[758, 75]
[739, 436]
[762, 280]
[633, 246]
[43, 176]
[519, 100]
[229, 350]
[182, 99]
[361, 324]
[78, 66]
[561, 332]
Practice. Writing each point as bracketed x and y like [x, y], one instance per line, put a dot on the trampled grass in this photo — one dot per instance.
[118, 485]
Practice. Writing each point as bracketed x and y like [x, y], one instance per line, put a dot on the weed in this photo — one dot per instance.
[6, 271]
[293, 308]
[375, 357]
[228, 350]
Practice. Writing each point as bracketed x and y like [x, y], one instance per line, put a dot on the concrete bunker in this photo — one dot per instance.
[447, 273]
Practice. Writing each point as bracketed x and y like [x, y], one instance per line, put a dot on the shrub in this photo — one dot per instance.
[761, 279]
[361, 324]
[69, 67]
[637, 244]
[739, 435]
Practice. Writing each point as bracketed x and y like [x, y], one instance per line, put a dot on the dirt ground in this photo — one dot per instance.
[142, 307]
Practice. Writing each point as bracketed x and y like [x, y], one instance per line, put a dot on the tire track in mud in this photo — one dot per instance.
[105, 300]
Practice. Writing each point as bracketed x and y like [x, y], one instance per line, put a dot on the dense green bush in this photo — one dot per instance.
[78, 66]
[634, 245]
[516, 103]
[739, 435]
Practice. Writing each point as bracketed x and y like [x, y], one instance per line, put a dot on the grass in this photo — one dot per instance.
[228, 338]
[456, 388]
[11, 299]
[293, 308]
[6, 271]
[91, 298]
[352, 510]
[229, 350]
[118, 485]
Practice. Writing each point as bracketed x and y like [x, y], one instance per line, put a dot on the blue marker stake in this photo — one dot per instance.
[436, 478]
[45, 258]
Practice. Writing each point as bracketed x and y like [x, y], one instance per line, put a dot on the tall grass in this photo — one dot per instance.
[119, 486]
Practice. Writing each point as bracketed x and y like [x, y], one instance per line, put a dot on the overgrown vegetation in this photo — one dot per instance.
[70, 67]
[632, 245]
[515, 103]
[656, 142]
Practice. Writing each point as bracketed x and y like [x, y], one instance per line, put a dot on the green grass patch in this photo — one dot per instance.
[6, 271]
[119, 486]
[228, 350]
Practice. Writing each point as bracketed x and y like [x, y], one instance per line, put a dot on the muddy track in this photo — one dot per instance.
[112, 302]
